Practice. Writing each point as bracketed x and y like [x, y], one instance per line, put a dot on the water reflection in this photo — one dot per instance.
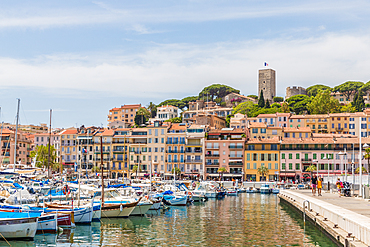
[245, 220]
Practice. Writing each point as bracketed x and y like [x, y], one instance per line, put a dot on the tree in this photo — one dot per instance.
[357, 171]
[95, 169]
[313, 90]
[298, 103]
[278, 99]
[275, 105]
[252, 96]
[367, 156]
[142, 116]
[263, 171]
[188, 99]
[152, 109]
[177, 171]
[261, 100]
[42, 156]
[311, 169]
[348, 88]
[348, 108]
[221, 171]
[175, 120]
[323, 103]
[358, 101]
[285, 108]
[365, 88]
[267, 104]
[216, 92]
[245, 108]
[135, 169]
[228, 120]
[174, 102]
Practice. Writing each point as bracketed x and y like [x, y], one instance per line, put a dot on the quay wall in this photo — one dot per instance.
[347, 221]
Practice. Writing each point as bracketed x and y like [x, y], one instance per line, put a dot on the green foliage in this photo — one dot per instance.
[175, 120]
[348, 88]
[323, 103]
[264, 111]
[261, 100]
[188, 99]
[174, 102]
[365, 87]
[267, 104]
[357, 171]
[348, 108]
[313, 90]
[95, 169]
[263, 171]
[253, 96]
[152, 108]
[221, 170]
[223, 104]
[176, 170]
[142, 116]
[285, 108]
[245, 108]
[311, 169]
[276, 105]
[298, 103]
[228, 120]
[278, 99]
[42, 158]
[358, 101]
[215, 92]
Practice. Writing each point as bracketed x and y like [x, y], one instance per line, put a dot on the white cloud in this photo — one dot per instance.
[182, 69]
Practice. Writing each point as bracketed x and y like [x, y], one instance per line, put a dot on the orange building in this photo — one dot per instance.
[125, 113]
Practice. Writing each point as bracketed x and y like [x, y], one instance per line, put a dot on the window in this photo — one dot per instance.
[254, 165]
[248, 156]
[297, 156]
[269, 166]
[314, 156]
[274, 132]
[283, 166]
[254, 131]
[248, 166]
[263, 131]
[297, 166]
[290, 166]
[263, 147]
[273, 146]
[290, 156]
[283, 156]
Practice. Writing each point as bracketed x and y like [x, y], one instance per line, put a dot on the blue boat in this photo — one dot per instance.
[265, 189]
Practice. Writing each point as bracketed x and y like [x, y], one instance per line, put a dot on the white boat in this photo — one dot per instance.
[16, 228]
[48, 223]
[265, 189]
[118, 210]
[252, 190]
[82, 215]
[232, 192]
[178, 201]
[275, 191]
[141, 208]
[207, 189]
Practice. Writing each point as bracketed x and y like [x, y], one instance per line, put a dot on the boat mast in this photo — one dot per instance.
[16, 135]
[1, 134]
[49, 144]
[102, 168]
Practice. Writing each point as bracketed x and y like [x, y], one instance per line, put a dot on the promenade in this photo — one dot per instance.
[346, 219]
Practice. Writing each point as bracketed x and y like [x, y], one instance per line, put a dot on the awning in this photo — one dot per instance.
[231, 161]
[232, 175]
[213, 175]
[287, 174]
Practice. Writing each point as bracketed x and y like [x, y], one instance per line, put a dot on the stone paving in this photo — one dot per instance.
[355, 204]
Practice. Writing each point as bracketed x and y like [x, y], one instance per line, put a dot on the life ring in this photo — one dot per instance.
[65, 190]
[189, 193]
[147, 197]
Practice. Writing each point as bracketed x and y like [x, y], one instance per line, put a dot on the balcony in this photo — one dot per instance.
[213, 163]
[213, 155]
[189, 150]
[306, 160]
[235, 156]
[236, 164]
[193, 161]
[175, 151]
[209, 147]
[235, 147]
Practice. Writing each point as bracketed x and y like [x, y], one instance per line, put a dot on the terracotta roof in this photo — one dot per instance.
[274, 140]
[131, 106]
[177, 126]
[283, 114]
[297, 116]
[298, 129]
[344, 114]
[106, 132]
[266, 115]
[115, 109]
[316, 116]
[253, 124]
[329, 135]
[275, 128]
[68, 132]
[233, 131]
[324, 140]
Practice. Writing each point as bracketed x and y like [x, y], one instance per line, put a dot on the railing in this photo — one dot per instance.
[213, 164]
[193, 151]
[193, 160]
[209, 147]
[175, 151]
[235, 147]
[235, 156]
[306, 160]
[236, 164]
[213, 155]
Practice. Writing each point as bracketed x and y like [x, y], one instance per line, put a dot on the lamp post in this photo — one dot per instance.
[317, 167]
[360, 160]
[341, 163]
[368, 178]
[326, 158]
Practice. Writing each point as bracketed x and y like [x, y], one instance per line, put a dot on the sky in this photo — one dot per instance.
[82, 58]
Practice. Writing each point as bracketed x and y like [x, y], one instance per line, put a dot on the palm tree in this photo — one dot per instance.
[177, 171]
[367, 156]
[222, 170]
[311, 169]
[135, 169]
[95, 169]
[263, 170]
[152, 108]
[357, 171]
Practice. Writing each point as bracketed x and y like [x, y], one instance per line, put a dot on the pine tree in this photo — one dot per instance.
[261, 100]
[267, 104]
[360, 103]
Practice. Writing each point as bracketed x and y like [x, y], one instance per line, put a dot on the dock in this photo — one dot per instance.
[345, 219]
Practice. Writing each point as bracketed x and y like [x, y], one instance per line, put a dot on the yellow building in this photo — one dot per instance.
[262, 152]
[125, 113]
[317, 123]
[339, 123]
[120, 148]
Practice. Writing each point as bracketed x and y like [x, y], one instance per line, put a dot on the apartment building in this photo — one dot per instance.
[157, 134]
[261, 130]
[24, 147]
[296, 121]
[194, 150]
[298, 132]
[317, 123]
[268, 119]
[208, 108]
[138, 151]
[175, 147]
[68, 143]
[262, 153]
[103, 140]
[85, 148]
[225, 148]
[42, 139]
[166, 112]
[239, 121]
[120, 150]
[124, 113]
[213, 121]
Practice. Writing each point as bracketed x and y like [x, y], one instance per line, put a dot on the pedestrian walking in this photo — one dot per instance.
[319, 186]
[313, 184]
[339, 186]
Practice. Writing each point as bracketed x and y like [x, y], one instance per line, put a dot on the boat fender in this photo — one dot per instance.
[120, 208]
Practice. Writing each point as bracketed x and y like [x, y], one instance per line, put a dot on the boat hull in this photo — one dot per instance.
[117, 212]
[141, 209]
[24, 228]
[48, 224]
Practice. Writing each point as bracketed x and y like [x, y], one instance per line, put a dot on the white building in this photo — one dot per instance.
[165, 112]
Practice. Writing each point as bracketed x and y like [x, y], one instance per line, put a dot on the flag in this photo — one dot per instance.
[75, 166]
[84, 151]
[266, 64]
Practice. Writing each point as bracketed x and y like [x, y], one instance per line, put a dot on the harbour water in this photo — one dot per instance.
[245, 220]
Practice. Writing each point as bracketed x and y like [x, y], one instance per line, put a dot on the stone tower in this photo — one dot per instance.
[267, 83]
